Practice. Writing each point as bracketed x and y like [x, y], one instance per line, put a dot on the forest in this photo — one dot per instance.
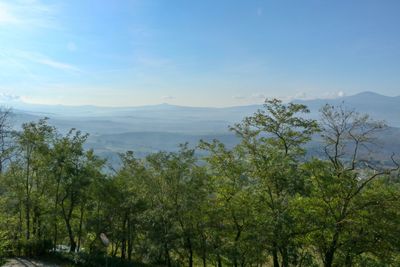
[265, 202]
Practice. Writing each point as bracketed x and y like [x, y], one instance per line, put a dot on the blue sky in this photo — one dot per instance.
[198, 53]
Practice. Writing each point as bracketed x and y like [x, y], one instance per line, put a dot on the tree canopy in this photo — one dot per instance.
[264, 202]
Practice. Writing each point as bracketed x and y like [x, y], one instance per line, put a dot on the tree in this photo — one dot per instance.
[126, 203]
[264, 201]
[231, 218]
[6, 140]
[77, 171]
[175, 191]
[341, 183]
[272, 140]
[33, 147]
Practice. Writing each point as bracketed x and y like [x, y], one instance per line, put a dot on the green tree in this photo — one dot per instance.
[233, 228]
[272, 140]
[340, 195]
[175, 187]
[74, 171]
[33, 147]
[126, 203]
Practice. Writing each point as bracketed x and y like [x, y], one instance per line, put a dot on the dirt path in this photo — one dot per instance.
[22, 262]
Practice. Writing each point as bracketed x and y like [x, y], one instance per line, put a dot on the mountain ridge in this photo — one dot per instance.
[21, 104]
[150, 128]
[173, 118]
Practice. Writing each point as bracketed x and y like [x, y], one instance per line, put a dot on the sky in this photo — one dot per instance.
[196, 53]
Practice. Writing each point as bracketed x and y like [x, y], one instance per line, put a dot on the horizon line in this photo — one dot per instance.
[7, 104]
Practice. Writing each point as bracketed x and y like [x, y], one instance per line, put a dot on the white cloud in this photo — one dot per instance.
[21, 63]
[6, 15]
[258, 96]
[304, 96]
[296, 96]
[27, 13]
[46, 61]
[250, 99]
[331, 95]
[301, 95]
[57, 65]
[4, 97]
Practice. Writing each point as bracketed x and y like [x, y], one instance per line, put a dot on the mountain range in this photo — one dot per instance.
[147, 129]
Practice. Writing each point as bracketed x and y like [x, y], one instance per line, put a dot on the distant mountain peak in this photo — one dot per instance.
[164, 104]
[369, 94]
[372, 97]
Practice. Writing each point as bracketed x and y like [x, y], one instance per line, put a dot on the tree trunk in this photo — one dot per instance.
[28, 204]
[55, 214]
[237, 237]
[285, 258]
[349, 260]
[204, 260]
[190, 250]
[219, 260]
[34, 222]
[39, 221]
[71, 237]
[167, 257]
[130, 239]
[115, 251]
[330, 253]
[275, 255]
[80, 226]
[204, 253]
[20, 232]
[67, 218]
[20, 219]
[123, 240]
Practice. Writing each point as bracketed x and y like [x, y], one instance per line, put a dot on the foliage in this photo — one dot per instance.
[263, 202]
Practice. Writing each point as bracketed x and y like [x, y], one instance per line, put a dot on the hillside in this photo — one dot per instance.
[147, 129]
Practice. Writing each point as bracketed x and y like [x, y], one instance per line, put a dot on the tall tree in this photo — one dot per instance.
[273, 140]
[73, 170]
[232, 215]
[341, 183]
[33, 145]
[6, 138]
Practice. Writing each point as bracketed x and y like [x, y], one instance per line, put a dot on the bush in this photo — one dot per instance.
[5, 246]
[33, 247]
[95, 260]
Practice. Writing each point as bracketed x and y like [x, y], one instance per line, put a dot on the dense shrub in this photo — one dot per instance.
[33, 247]
[94, 260]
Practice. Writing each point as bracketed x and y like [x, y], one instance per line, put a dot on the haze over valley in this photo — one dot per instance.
[147, 129]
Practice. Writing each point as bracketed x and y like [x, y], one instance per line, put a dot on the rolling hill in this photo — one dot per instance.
[147, 129]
